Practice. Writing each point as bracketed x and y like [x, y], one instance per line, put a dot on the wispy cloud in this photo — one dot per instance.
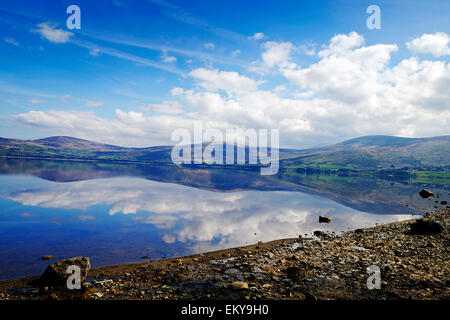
[146, 44]
[50, 32]
[125, 56]
[166, 58]
[12, 41]
[94, 52]
[257, 36]
[37, 101]
[209, 46]
[17, 90]
[184, 16]
[93, 104]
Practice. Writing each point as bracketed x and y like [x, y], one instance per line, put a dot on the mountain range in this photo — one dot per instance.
[366, 153]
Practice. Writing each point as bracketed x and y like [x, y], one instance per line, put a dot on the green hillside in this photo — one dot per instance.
[422, 157]
[377, 153]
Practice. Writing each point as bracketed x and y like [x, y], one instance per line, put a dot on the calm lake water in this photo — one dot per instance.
[118, 213]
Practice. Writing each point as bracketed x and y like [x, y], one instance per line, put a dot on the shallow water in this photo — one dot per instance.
[121, 216]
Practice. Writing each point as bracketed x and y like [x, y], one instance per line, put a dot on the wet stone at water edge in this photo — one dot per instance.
[56, 274]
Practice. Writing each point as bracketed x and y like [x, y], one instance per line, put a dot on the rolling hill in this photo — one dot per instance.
[377, 153]
[359, 154]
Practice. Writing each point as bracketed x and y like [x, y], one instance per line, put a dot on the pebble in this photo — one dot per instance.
[239, 285]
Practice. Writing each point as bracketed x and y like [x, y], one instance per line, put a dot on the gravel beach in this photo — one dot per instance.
[412, 258]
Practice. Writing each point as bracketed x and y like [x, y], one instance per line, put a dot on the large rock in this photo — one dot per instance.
[425, 227]
[56, 274]
[424, 193]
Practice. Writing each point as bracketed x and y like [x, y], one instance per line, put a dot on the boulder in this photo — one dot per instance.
[424, 193]
[426, 227]
[56, 274]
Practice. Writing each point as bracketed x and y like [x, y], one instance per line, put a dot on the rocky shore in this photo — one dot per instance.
[412, 256]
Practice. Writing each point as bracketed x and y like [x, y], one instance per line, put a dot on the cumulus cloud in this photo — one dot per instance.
[130, 128]
[341, 44]
[277, 53]
[347, 72]
[436, 44]
[177, 91]
[222, 80]
[53, 34]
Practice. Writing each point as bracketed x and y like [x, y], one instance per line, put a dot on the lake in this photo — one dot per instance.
[118, 213]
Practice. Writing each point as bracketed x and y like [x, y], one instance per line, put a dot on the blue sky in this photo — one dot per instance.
[139, 69]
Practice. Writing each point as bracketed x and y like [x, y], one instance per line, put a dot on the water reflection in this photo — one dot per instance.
[116, 213]
[167, 219]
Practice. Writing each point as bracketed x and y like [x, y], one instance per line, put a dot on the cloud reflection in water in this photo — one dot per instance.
[204, 219]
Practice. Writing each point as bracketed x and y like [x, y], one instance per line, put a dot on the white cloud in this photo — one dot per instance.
[93, 104]
[127, 128]
[177, 91]
[199, 216]
[257, 36]
[351, 90]
[341, 44]
[12, 41]
[279, 89]
[168, 59]
[344, 72]
[130, 117]
[231, 82]
[209, 46]
[235, 53]
[52, 34]
[277, 53]
[94, 52]
[308, 49]
[436, 44]
[165, 107]
[85, 217]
